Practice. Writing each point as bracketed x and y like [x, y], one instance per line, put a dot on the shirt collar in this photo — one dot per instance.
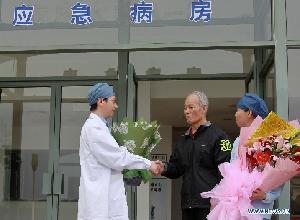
[188, 132]
[103, 120]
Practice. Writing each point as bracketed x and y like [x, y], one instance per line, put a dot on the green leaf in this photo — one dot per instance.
[130, 173]
[146, 175]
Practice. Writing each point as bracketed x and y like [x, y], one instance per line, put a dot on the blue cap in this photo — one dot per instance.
[251, 101]
[100, 90]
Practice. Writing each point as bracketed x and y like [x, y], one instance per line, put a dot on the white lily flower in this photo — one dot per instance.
[130, 145]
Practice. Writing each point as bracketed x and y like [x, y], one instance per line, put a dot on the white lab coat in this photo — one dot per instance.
[101, 191]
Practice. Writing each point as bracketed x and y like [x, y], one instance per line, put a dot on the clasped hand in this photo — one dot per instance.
[156, 168]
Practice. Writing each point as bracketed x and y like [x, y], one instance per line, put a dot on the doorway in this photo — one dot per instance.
[165, 78]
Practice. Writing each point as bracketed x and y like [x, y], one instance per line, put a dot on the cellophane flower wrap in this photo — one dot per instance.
[269, 155]
[140, 138]
[274, 150]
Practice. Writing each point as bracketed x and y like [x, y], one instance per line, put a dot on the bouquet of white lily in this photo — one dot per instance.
[139, 138]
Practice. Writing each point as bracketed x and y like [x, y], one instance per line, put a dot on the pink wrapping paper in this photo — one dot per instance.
[284, 170]
[230, 198]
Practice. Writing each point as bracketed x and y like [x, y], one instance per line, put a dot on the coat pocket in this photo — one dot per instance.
[204, 156]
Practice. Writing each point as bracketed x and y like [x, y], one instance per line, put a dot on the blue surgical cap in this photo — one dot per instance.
[251, 101]
[100, 90]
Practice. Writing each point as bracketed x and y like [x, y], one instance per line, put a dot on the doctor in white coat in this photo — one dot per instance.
[101, 191]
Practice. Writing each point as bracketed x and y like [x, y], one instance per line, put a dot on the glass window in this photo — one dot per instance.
[74, 111]
[270, 90]
[81, 64]
[24, 150]
[294, 113]
[251, 86]
[192, 62]
[292, 11]
[7, 65]
[58, 37]
[232, 20]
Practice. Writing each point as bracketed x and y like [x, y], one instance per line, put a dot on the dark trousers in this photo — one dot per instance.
[195, 214]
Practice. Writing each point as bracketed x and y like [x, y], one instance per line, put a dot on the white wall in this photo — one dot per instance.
[212, 88]
[165, 147]
[143, 111]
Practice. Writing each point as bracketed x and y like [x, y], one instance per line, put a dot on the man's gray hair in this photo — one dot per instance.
[201, 96]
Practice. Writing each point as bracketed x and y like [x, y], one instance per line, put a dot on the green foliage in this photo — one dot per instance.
[139, 138]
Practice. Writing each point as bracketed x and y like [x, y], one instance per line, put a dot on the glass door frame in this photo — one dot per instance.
[131, 115]
[53, 180]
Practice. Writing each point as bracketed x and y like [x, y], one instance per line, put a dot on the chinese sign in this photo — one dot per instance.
[23, 15]
[142, 11]
[201, 10]
[81, 14]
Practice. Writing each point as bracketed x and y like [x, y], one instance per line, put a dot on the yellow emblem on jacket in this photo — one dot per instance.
[225, 145]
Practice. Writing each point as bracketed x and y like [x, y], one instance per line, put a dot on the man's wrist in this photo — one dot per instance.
[165, 168]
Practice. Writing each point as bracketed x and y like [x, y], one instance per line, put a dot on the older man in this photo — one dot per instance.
[101, 191]
[196, 157]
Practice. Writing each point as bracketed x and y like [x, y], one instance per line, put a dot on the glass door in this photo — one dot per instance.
[24, 152]
[74, 112]
[39, 143]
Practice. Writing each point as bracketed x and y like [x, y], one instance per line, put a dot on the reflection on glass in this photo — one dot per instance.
[7, 66]
[252, 86]
[270, 90]
[292, 13]
[192, 62]
[70, 65]
[24, 149]
[58, 38]
[74, 112]
[294, 113]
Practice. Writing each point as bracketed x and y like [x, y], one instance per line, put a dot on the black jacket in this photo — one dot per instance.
[196, 158]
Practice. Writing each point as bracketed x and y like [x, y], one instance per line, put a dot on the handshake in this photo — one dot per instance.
[156, 168]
